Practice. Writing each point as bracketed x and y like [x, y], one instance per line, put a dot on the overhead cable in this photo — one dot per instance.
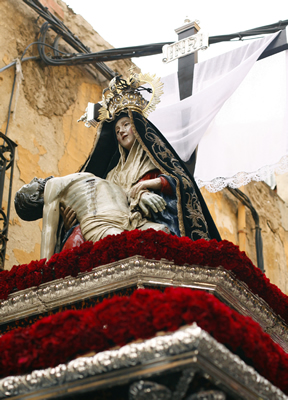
[61, 29]
[262, 30]
[83, 54]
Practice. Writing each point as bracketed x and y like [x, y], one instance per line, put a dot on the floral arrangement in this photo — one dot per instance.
[152, 245]
[117, 321]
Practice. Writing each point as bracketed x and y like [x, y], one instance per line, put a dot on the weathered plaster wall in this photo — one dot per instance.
[51, 100]
[273, 214]
[51, 142]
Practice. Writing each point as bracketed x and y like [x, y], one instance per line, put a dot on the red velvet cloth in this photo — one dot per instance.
[165, 185]
[75, 239]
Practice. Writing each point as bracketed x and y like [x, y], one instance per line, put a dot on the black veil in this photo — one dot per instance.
[194, 218]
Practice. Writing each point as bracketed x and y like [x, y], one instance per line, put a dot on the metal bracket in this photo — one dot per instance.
[7, 156]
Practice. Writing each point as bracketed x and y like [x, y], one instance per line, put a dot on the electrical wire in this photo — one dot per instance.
[62, 30]
[43, 44]
[84, 55]
[14, 62]
[14, 80]
[134, 51]
[10, 104]
[31, 57]
[262, 30]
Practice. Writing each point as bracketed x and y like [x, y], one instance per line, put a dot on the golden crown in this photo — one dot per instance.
[122, 94]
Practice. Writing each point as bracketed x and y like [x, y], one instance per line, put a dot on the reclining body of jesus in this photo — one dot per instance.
[101, 207]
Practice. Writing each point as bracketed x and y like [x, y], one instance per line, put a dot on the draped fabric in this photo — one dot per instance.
[243, 134]
[194, 218]
[248, 139]
[130, 169]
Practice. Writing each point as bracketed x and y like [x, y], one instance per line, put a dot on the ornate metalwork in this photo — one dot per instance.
[184, 383]
[138, 272]
[7, 155]
[184, 47]
[189, 347]
[208, 395]
[146, 390]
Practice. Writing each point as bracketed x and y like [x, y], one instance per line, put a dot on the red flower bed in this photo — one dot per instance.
[150, 244]
[117, 321]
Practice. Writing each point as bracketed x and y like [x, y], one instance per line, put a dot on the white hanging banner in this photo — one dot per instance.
[185, 122]
[248, 139]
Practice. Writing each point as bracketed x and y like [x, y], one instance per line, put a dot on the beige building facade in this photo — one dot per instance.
[50, 141]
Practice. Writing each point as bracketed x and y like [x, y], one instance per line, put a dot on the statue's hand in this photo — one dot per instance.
[151, 184]
[69, 217]
[152, 200]
[137, 188]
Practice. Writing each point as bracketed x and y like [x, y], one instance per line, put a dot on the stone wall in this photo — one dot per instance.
[51, 142]
[273, 214]
[44, 123]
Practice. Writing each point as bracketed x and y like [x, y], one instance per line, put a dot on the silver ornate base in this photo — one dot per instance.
[139, 272]
[188, 350]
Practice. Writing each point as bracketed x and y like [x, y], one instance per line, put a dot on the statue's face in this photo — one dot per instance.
[124, 133]
[32, 188]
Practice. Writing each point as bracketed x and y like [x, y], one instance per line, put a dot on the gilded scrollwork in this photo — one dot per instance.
[195, 215]
[165, 160]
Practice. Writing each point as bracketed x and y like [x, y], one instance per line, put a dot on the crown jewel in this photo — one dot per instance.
[122, 94]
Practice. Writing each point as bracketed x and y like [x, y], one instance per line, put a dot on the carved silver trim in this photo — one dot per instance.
[140, 272]
[189, 347]
[146, 390]
[208, 395]
[183, 383]
[184, 47]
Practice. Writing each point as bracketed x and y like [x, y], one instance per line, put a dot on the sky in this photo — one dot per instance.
[126, 23]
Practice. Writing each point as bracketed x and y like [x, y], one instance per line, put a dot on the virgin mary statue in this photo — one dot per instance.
[131, 152]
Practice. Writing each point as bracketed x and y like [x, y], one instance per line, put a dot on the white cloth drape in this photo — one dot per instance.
[248, 139]
[185, 122]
